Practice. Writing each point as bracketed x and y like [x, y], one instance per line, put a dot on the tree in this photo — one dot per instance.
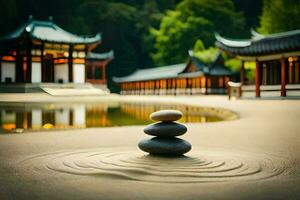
[8, 13]
[117, 23]
[280, 16]
[198, 46]
[251, 9]
[192, 20]
[149, 16]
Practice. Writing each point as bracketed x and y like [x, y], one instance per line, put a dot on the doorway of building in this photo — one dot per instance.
[48, 69]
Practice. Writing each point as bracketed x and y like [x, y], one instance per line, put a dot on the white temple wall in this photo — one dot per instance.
[61, 72]
[78, 73]
[36, 72]
[8, 70]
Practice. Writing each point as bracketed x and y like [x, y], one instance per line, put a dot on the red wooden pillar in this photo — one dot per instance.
[283, 81]
[104, 72]
[86, 70]
[187, 86]
[154, 87]
[93, 70]
[175, 91]
[257, 80]
[242, 73]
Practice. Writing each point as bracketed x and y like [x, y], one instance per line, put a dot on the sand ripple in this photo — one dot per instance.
[196, 167]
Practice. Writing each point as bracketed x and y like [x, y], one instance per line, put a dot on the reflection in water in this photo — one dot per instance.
[20, 117]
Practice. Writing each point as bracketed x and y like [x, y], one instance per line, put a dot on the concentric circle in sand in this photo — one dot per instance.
[196, 167]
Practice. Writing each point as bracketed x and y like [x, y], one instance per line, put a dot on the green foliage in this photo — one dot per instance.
[8, 11]
[198, 46]
[192, 20]
[252, 10]
[250, 70]
[117, 23]
[207, 56]
[280, 16]
[233, 64]
[169, 40]
[250, 74]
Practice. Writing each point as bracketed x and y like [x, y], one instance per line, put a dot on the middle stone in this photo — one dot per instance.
[165, 129]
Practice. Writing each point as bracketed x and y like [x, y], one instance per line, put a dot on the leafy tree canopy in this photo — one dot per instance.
[198, 46]
[280, 16]
[206, 56]
[209, 55]
[192, 20]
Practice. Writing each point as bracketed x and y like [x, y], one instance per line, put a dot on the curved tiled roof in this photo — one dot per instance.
[261, 44]
[100, 56]
[49, 32]
[157, 73]
[178, 71]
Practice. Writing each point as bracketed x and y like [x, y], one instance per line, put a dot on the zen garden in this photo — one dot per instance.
[149, 99]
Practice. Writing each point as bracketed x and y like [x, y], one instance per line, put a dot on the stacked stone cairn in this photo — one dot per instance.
[165, 142]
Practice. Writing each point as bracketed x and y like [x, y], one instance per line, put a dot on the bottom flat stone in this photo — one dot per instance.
[165, 146]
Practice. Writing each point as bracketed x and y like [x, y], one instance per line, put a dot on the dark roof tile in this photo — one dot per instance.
[178, 71]
[49, 32]
[261, 44]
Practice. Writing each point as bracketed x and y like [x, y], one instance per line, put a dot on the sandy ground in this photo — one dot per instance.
[254, 157]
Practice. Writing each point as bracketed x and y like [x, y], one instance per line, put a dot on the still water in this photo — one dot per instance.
[30, 117]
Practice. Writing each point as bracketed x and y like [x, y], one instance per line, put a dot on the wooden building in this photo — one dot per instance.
[42, 52]
[277, 58]
[96, 67]
[193, 77]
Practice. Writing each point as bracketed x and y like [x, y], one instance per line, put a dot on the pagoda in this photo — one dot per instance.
[42, 52]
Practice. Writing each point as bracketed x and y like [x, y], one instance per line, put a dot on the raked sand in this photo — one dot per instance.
[256, 156]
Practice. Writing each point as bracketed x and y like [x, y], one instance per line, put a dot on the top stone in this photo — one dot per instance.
[166, 115]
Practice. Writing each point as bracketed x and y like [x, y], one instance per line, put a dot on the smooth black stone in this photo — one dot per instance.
[165, 146]
[165, 129]
[166, 115]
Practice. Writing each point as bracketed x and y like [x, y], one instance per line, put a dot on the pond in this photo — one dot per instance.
[30, 117]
